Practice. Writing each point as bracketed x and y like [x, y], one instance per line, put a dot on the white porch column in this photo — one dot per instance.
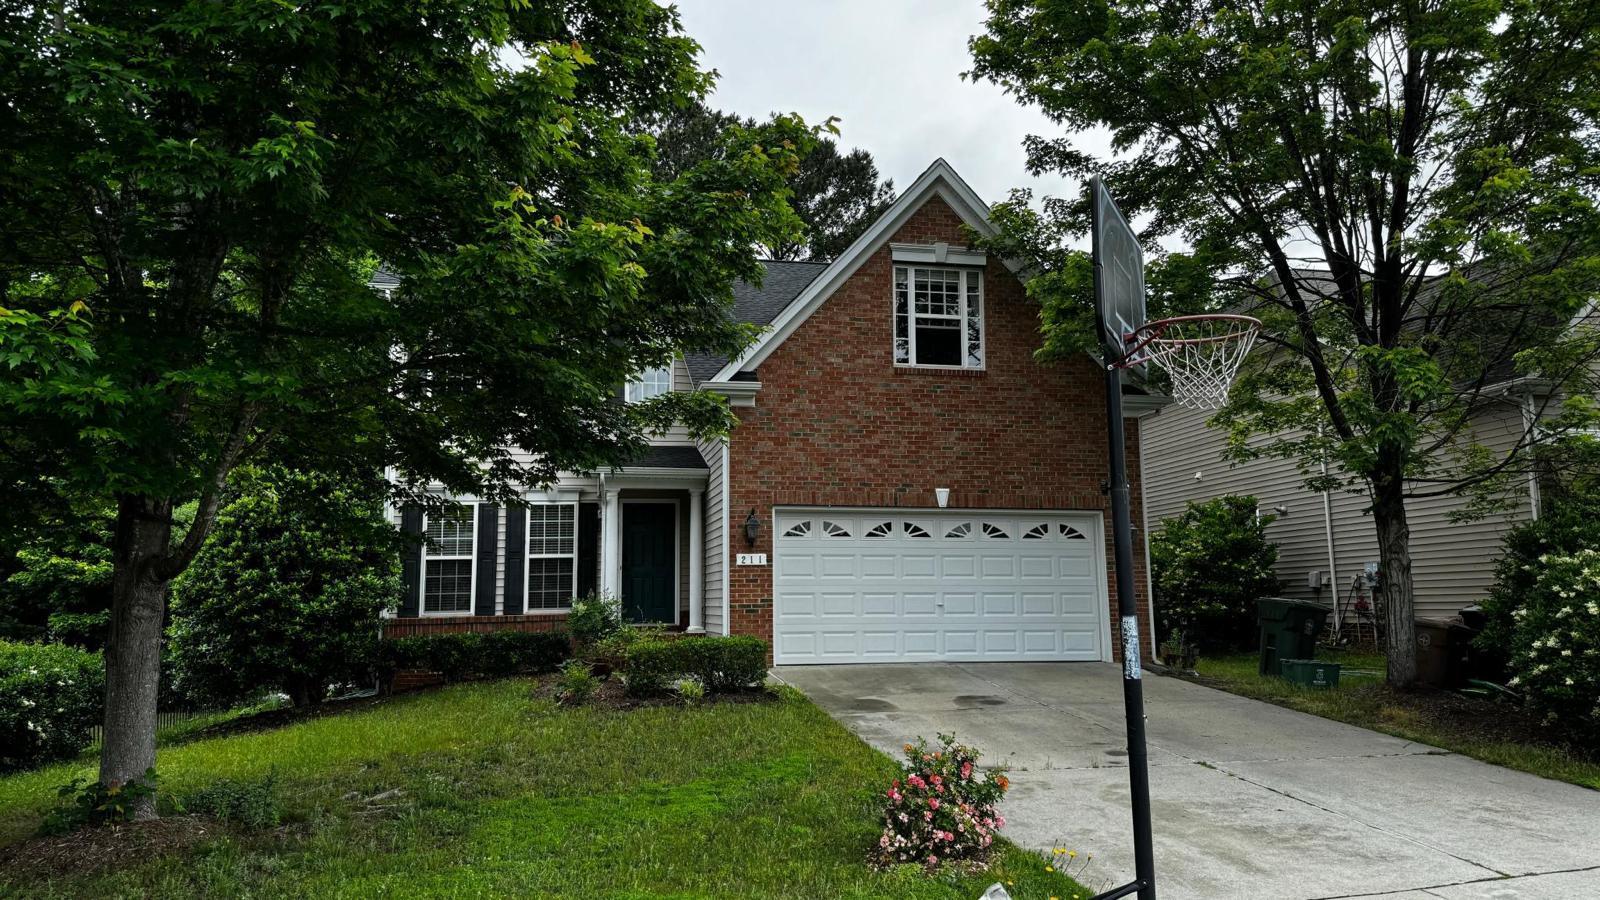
[697, 562]
[611, 544]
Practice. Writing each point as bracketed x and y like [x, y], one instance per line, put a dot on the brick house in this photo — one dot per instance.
[905, 481]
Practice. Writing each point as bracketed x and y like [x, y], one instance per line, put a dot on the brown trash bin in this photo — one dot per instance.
[1444, 651]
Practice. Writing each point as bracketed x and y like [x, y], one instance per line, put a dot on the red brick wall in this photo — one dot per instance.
[836, 423]
[425, 625]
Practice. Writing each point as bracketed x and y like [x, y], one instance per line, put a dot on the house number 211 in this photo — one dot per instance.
[752, 559]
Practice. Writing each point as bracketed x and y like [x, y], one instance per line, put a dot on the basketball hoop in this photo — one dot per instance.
[1200, 353]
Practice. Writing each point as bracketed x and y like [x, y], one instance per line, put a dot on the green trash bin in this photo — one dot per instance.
[1289, 630]
[1311, 672]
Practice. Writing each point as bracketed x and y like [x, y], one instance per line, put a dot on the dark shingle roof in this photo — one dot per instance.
[383, 278]
[760, 306]
[670, 456]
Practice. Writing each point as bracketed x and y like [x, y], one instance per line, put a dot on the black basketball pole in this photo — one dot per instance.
[1144, 882]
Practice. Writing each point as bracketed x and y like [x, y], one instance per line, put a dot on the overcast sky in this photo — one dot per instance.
[889, 69]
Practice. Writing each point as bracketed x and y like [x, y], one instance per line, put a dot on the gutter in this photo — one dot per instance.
[738, 393]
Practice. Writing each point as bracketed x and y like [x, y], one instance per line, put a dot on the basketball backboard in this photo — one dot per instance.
[1118, 271]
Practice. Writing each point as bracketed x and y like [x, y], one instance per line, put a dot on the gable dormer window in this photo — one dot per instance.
[650, 383]
[938, 317]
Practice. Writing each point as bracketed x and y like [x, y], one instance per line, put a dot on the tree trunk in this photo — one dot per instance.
[133, 650]
[1394, 572]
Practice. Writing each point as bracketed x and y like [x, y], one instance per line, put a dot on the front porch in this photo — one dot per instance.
[636, 533]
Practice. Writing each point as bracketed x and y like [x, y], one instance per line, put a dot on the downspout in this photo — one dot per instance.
[1333, 576]
[1529, 425]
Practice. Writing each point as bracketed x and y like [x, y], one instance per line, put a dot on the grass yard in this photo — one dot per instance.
[503, 794]
[1493, 732]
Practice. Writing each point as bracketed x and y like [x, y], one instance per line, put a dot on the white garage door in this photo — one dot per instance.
[898, 586]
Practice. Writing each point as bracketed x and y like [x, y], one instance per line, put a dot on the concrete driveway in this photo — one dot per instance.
[1250, 800]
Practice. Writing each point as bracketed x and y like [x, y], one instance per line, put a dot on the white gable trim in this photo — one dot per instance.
[939, 254]
[939, 180]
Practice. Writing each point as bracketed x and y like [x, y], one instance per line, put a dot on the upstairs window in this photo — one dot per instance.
[650, 383]
[447, 561]
[938, 317]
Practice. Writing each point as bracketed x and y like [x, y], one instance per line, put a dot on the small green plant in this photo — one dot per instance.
[576, 684]
[690, 690]
[594, 618]
[250, 804]
[82, 803]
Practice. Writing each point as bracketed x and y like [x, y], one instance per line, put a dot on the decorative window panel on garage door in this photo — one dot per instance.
[902, 585]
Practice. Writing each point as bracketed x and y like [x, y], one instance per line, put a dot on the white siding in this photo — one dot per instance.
[715, 551]
[1453, 563]
[681, 381]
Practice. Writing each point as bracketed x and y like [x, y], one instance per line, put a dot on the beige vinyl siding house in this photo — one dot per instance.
[1322, 533]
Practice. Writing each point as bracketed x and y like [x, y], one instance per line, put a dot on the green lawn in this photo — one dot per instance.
[505, 794]
[1494, 733]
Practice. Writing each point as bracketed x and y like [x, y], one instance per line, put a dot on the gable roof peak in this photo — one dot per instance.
[939, 179]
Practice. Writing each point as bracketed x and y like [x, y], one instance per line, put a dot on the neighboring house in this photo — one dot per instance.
[905, 481]
[1326, 542]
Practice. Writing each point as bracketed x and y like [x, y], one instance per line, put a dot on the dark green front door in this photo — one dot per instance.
[650, 562]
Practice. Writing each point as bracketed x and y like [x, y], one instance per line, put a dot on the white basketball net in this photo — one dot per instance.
[1201, 354]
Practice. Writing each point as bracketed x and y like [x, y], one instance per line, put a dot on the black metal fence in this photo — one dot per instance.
[165, 718]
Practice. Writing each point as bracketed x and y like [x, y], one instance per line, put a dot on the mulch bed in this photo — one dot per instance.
[91, 850]
[612, 695]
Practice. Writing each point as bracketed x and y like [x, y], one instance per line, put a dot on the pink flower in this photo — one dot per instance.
[933, 802]
[933, 860]
[927, 817]
[966, 771]
[883, 841]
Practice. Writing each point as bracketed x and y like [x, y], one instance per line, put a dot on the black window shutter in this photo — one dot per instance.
[516, 553]
[488, 543]
[410, 560]
[588, 548]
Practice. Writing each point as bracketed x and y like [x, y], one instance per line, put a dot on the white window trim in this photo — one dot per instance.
[472, 567]
[528, 557]
[911, 321]
[644, 385]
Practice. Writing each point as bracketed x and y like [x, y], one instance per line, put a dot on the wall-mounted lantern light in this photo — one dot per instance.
[943, 496]
[752, 528]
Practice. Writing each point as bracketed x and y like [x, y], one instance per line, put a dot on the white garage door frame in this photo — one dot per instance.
[1091, 523]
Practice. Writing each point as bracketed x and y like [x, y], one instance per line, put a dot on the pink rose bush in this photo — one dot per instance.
[942, 807]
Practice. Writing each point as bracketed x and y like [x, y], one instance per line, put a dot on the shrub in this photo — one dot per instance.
[576, 684]
[1568, 523]
[720, 663]
[51, 695]
[941, 808]
[82, 803]
[465, 655]
[287, 592]
[1555, 640]
[1209, 566]
[251, 804]
[593, 619]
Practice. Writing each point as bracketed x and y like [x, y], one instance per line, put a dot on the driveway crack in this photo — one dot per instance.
[1378, 828]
